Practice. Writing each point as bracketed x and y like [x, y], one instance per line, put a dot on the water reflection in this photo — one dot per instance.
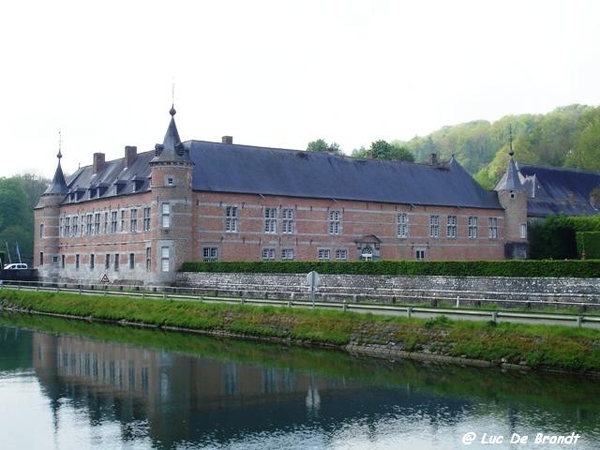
[103, 388]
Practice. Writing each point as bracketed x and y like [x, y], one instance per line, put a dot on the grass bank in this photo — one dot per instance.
[528, 346]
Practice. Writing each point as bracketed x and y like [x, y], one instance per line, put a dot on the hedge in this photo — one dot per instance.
[588, 268]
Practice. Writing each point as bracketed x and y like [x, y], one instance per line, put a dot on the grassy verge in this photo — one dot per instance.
[544, 347]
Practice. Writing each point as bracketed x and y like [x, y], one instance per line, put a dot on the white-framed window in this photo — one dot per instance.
[341, 254]
[270, 216]
[148, 258]
[472, 227]
[146, 223]
[105, 222]
[451, 222]
[324, 254]
[420, 254]
[268, 254]
[113, 222]
[287, 220]
[117, 261]
[75, 226]
[210, 254]
[97, 229]
[77, 261]
[122, 222]
[366, 254]
[41, 231]
[335, 222]
[287, 254]
[402, 225]
[133, 213]
[132, 260]
[89, 224]
[231, 219]
[92, 261]
[523, 231]
[107, 261]
[165, 216]
[434, 226]
[493, 227]
[165, 259]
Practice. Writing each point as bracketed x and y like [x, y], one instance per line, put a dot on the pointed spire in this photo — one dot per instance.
[511, 180]
[171, 150]
[58, 186]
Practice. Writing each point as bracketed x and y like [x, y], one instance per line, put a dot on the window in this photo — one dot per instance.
[97, 223]
[287, 254]
[105, 222]
[75, 226]
[420, 254]
[62, 261]
[324, 254]
[341, 254]
[77, 262]
[268, 254]
[131, 260]
[133, 220]
[472, 227]
[523, 231]
[107, 261]
[122, 227]
[170, 181]
[231, 219]
[493, 228]
[113, 222]
[434, 226]
[61, 229]
[166, 215]
[41, 258]
[89, 224]
[67, 227]
[402, 222]
[287, 223]
[92, 261]
[165, 255]
[146, 224]
[335, 224]
[270, 220]
[41, 230]
[117, 261]
[210, 254]
[148, 259]
[451, 227]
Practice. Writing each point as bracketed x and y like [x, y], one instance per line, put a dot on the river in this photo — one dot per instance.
[79, 385]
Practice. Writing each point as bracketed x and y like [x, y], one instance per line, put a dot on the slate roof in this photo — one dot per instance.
[554, 191]
[267, 171]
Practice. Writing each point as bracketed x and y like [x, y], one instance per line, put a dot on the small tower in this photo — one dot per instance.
[513, 198]
[171, 172]
[47, 225]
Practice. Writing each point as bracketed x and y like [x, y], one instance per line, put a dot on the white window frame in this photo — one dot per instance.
[270, 217]
[434, 226]
[231, 219]
[473, 227]
[165, 215]
[493, 227]
[402, 222]
[335, 222]
[451, 226]
[165, 258]
[287, 220]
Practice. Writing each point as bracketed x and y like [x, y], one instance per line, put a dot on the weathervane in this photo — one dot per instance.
[511, 152]
[59, 144]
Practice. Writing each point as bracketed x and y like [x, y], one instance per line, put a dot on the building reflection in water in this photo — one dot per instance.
[188, 398]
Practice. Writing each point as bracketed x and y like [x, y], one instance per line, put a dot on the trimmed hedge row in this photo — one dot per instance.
[588, 241]
[510, 268]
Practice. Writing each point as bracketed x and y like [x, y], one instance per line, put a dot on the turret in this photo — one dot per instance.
[47, 225]
[171, 185]
[513, 198]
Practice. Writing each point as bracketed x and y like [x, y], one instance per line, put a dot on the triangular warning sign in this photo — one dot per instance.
[105, 279]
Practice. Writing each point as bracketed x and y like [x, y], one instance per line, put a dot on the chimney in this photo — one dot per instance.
[227, 139]
[99, 159]
[433, 160]
[130, 154]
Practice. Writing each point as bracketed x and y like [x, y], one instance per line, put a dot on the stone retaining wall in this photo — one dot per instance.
[391, 289]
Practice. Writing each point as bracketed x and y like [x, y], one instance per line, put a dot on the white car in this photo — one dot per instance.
[15, 266]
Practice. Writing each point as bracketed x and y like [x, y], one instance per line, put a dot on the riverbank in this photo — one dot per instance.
[484, 344]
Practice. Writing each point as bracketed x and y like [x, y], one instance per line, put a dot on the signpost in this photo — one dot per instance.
[313, 281]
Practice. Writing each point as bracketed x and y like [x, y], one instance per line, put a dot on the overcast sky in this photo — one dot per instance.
[279, 73]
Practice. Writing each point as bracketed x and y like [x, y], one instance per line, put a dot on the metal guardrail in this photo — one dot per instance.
[578, 320]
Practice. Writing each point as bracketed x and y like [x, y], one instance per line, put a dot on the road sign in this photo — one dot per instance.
[105, 279]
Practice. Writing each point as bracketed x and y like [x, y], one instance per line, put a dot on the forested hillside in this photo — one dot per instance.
[566, 137]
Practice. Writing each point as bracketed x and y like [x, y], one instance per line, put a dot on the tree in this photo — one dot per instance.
[586, 151]
[321, 146]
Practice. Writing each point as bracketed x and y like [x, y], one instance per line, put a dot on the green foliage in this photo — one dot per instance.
[509, 268]
[588, 244]
[320, 146]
